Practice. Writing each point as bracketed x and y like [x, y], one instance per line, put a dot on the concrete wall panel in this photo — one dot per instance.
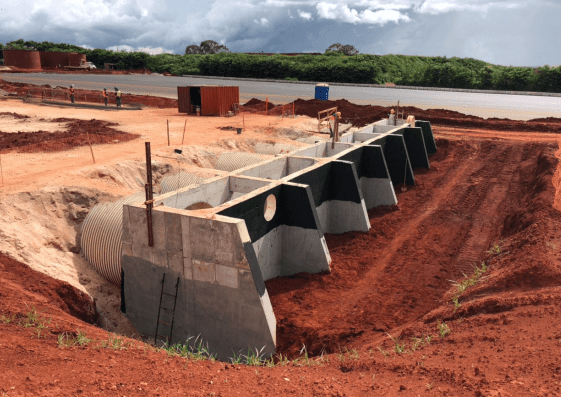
[430, 144]
[416, 147]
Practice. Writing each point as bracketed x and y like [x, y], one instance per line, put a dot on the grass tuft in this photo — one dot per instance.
[443, 329]
[467, 282]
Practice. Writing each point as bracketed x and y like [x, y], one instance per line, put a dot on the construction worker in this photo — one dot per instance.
[71, 90]
[104, 94]
[391, 119]
[118, 97]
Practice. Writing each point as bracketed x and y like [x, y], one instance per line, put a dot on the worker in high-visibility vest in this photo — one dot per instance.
[104, 94]
[118, 97]
[71, 91]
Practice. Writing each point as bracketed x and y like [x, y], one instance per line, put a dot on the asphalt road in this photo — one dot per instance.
[517, 107]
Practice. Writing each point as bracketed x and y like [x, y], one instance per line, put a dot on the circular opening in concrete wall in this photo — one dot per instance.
[270, 207]
[199, 206]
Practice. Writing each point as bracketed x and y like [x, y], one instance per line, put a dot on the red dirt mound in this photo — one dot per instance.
[14, 115]
[77, 135]
[20, 284]
[361, 115]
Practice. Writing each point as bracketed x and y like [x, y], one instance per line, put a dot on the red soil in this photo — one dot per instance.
[504, 338]
[77, 135]
[84, 96]
[483, 188]
[361, 115]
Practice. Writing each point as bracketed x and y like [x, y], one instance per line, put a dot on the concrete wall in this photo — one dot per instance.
[221, 293]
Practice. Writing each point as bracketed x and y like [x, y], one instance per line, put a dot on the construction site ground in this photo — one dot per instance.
[404, 312]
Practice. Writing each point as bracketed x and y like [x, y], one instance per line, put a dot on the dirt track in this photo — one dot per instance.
[491, 195]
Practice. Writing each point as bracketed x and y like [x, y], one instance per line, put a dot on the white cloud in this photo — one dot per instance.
[147, 50]
[262, 21]
[442, 6]
[343, 13]
[305, 15]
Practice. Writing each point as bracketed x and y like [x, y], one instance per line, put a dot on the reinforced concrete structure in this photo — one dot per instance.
[258, 222]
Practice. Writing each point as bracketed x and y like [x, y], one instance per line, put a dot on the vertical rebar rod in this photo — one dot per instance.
[148, 188]
[168, 131]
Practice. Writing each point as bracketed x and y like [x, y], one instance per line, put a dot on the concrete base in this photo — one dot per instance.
[377, 191]
[288, 250]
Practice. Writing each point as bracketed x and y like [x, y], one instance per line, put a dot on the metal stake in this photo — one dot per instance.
[148, 188]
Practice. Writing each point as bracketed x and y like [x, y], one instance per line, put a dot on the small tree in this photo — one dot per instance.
[345, 49]
[212, 47]
[193, 49]
[206, 47]
[334, 47]
[349, 50]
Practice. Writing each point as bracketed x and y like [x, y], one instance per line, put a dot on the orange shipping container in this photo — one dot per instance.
[213, 100]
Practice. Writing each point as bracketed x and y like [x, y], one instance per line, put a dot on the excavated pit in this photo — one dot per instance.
[401, 269]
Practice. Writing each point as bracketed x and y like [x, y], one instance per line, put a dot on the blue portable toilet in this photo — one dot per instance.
[322, 91]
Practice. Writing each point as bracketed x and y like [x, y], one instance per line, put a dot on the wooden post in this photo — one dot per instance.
[282, 114]
[293, 114]
[90, 144]
[168, 131]
[185, 126]
[267, 104]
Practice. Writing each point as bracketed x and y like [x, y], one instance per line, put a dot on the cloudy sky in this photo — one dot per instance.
[506, 32]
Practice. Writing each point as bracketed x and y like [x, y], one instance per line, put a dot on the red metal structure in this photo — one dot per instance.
[54, 59]
[23, 59]
[213, 100]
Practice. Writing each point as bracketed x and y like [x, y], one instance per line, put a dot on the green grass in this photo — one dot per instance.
[466, 283]
[194, 351]
[68, 340]
[443, 329]
[495, 249]
[399, 348]
[6, 318]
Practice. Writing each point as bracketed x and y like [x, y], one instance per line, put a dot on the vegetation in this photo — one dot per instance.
[340, 63]
[342, 49]
[206, 47]
[467, 282]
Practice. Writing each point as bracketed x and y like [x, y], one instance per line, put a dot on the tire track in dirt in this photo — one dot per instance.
[480, 204]
[396, 280]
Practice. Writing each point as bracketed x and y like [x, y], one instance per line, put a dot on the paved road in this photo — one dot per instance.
[518, 107]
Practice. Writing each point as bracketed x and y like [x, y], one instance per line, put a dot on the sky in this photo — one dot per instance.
[505, 32]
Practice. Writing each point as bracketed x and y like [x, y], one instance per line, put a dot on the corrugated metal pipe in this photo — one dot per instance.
[101, 237]
[277, 148]
[174, 182]
[234, 161]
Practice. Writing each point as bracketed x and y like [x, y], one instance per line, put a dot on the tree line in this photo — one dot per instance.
[338, 64]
